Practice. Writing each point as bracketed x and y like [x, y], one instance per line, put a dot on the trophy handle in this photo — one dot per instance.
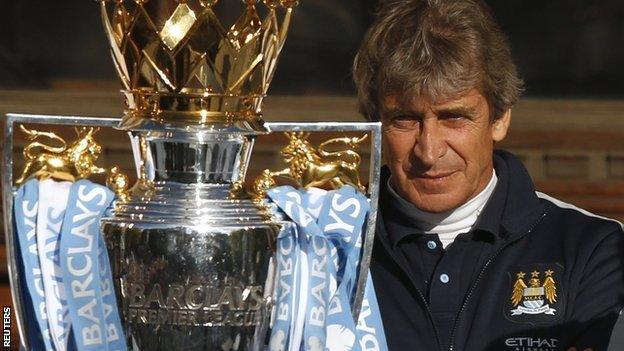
[8, 191]
[374, 128]
[311, 166]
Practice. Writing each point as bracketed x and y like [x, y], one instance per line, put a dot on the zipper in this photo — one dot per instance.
[424, 302]
[429, 314]
[472, 288]
[420, 294]
[476, 283]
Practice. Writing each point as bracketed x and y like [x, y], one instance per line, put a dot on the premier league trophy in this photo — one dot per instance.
[196, 262]
[190, 254]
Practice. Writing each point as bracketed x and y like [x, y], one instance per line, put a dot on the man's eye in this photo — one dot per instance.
[453, 116]
[454, 119]
[405, 121]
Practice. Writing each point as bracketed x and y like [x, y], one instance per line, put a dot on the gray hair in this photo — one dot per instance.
[438, 49]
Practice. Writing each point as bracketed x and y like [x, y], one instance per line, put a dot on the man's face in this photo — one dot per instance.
[440, 152]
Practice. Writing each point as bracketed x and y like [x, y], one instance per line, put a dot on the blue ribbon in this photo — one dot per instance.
[343, 216]
[51, 210]
[114, 332]
[25, 207]
[370, 329]
[329, 227]
[287, 262]
[79, 260]
[313, 271]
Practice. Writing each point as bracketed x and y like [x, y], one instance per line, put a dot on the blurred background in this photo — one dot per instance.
[568, 128]
[564, 48]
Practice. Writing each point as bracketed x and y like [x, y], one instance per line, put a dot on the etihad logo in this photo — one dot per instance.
[527, 343]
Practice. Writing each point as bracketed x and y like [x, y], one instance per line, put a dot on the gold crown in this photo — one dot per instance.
[180, 66]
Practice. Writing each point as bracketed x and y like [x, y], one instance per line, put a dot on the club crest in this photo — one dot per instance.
[534, 294]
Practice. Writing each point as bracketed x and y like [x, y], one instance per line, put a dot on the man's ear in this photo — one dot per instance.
[500, 126]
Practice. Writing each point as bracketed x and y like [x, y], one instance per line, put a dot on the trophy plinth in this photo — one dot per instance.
[190, 256]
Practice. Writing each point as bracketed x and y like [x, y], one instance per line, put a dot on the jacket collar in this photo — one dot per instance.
[522, 207]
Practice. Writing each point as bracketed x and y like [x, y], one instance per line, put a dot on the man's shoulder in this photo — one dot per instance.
[564, 218]
[572, 221]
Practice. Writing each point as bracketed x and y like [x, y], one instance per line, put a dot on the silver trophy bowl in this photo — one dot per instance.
[191, 263]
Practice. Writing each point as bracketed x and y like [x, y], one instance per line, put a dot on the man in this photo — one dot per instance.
[468, 256]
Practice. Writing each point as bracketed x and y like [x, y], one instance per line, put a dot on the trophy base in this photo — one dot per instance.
[197, 338]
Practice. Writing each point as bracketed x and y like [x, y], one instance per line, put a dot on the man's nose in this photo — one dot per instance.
[430, 143]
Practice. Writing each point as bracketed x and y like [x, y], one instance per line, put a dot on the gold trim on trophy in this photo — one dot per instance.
[179, 65]
[56, 160]
[118, 182]
[315, 167]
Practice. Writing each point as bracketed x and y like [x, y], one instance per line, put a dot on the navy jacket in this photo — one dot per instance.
[542, 275]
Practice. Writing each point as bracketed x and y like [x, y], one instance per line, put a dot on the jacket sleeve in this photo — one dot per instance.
[600, 296]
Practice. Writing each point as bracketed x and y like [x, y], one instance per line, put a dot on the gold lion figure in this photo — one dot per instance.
[60, 161]
[315, 167]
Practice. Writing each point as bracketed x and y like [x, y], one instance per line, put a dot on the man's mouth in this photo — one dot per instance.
[435, 176]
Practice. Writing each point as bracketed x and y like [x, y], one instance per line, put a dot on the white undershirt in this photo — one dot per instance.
[446, 224]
